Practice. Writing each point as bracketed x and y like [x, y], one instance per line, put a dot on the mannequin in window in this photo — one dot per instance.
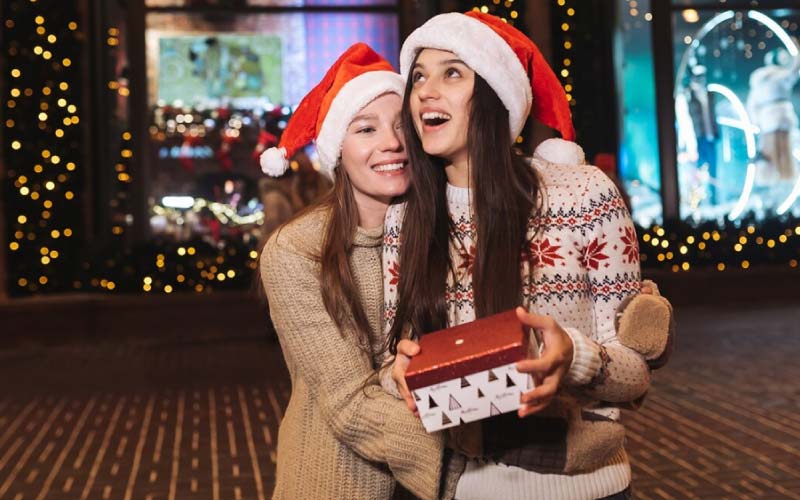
[769, 104]
[704, 120]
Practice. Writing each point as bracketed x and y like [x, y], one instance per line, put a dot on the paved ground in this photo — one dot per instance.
[198, 420]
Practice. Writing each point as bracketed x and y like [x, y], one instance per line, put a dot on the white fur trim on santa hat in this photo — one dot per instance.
[561, 152]
[274, 162]
[351, 98]
[484, 51]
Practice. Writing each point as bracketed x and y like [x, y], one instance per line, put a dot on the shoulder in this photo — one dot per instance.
[577, 183]
[302, 237]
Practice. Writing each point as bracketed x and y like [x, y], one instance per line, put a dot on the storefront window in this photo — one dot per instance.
[221, 86]
[736, 105]
[638, 153]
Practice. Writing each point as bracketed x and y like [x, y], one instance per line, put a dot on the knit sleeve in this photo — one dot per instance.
[602, 367]
[390, 258]
[372, 423]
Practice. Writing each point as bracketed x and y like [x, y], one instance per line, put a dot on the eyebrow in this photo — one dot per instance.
[443, 63]
[369, 116]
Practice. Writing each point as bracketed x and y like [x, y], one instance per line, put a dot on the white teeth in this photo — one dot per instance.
[432, 115]
[389, 167]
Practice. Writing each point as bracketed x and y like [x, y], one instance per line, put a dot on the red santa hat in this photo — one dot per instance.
[355, 79]
[503, 56]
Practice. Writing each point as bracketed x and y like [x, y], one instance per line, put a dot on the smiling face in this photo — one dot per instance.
[440, 100]
[373, 152]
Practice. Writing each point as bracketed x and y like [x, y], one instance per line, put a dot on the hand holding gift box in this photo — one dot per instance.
[482, 368]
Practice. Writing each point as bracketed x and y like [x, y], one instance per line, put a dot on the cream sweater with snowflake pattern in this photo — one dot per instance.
[582, 262]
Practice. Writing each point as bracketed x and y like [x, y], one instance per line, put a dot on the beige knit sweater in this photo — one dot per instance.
[338, 439]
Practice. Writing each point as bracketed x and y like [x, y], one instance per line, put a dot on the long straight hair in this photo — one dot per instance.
[340, 294]
[504, 197]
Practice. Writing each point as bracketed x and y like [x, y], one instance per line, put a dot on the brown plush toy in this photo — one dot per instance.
[646, 324]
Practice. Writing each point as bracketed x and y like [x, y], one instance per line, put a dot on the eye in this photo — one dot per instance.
[452, 73]
[417, 77]
[365, 130]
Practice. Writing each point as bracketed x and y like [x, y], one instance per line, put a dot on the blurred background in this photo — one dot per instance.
[136, 360]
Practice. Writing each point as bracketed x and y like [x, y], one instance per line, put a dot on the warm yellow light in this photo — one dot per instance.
[181, 278]
[685, 266]
[45, 91]
[743, 240]
[34, 195]
[63, 85]
[22, 282]
[690, 240]
[567, 45]
[147, 288]
[570, 11]
[55, 234]
[485, 9]
[191, 251]
[745, 264]
[47, 204]
[181, 251]
[231, 273]
[690, 15]
[50, 185]
[38, 20]
[66, 62]
[14, 246]
[126, 136]
[720, 267]
[126, 153]
[124, 91]
[24, 190]
[683, 250]
[72, 25]
[66, 121]
[45, 153]
[40, 30]
[70, 166]
[565, 72]
[51, 38]
[16, 145]
[564, 27]
[72, 108]
[737, 247]
[75, 120]
[751, 229]
[22, 219]
[221, 277]
[43, 280]
[168, 289]
[514, 14]
[42, 116]
[148, 280]
[648, 17]
[10, 123]
[15, 92]
[111, 285]
[38, 50]
[68, 195]
[67, 232]
[59, 133]
[782, 238]
[45, 260]
[53, 254]
[47, 54]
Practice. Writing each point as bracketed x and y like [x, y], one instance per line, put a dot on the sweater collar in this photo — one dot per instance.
[461, 195]
[371, 237]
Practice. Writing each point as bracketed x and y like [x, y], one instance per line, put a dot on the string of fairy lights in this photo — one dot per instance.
[48, 250]
[43, 143]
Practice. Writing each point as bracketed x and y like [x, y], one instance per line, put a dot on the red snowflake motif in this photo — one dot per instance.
[544, 253]
[467, 258]
[631, 250]
[394, 270]
[593, 255]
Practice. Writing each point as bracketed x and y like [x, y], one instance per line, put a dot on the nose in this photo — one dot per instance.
[391, 140]
[427, 89]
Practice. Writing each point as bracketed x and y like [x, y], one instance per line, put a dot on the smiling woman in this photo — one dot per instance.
[342, 436]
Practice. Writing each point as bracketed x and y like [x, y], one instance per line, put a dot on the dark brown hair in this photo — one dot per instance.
[340, 294]
[339, 291]
[504, 197]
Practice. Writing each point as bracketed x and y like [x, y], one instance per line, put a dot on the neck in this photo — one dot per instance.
[458, 173]
[371, 211]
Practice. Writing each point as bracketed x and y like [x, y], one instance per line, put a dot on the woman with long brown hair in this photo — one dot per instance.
[342, 436]
[483, 230]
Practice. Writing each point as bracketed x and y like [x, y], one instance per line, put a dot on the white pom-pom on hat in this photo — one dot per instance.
[274, 162]
[561, 152]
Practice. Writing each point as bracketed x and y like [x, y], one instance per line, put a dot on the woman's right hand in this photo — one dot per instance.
[406, 349]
